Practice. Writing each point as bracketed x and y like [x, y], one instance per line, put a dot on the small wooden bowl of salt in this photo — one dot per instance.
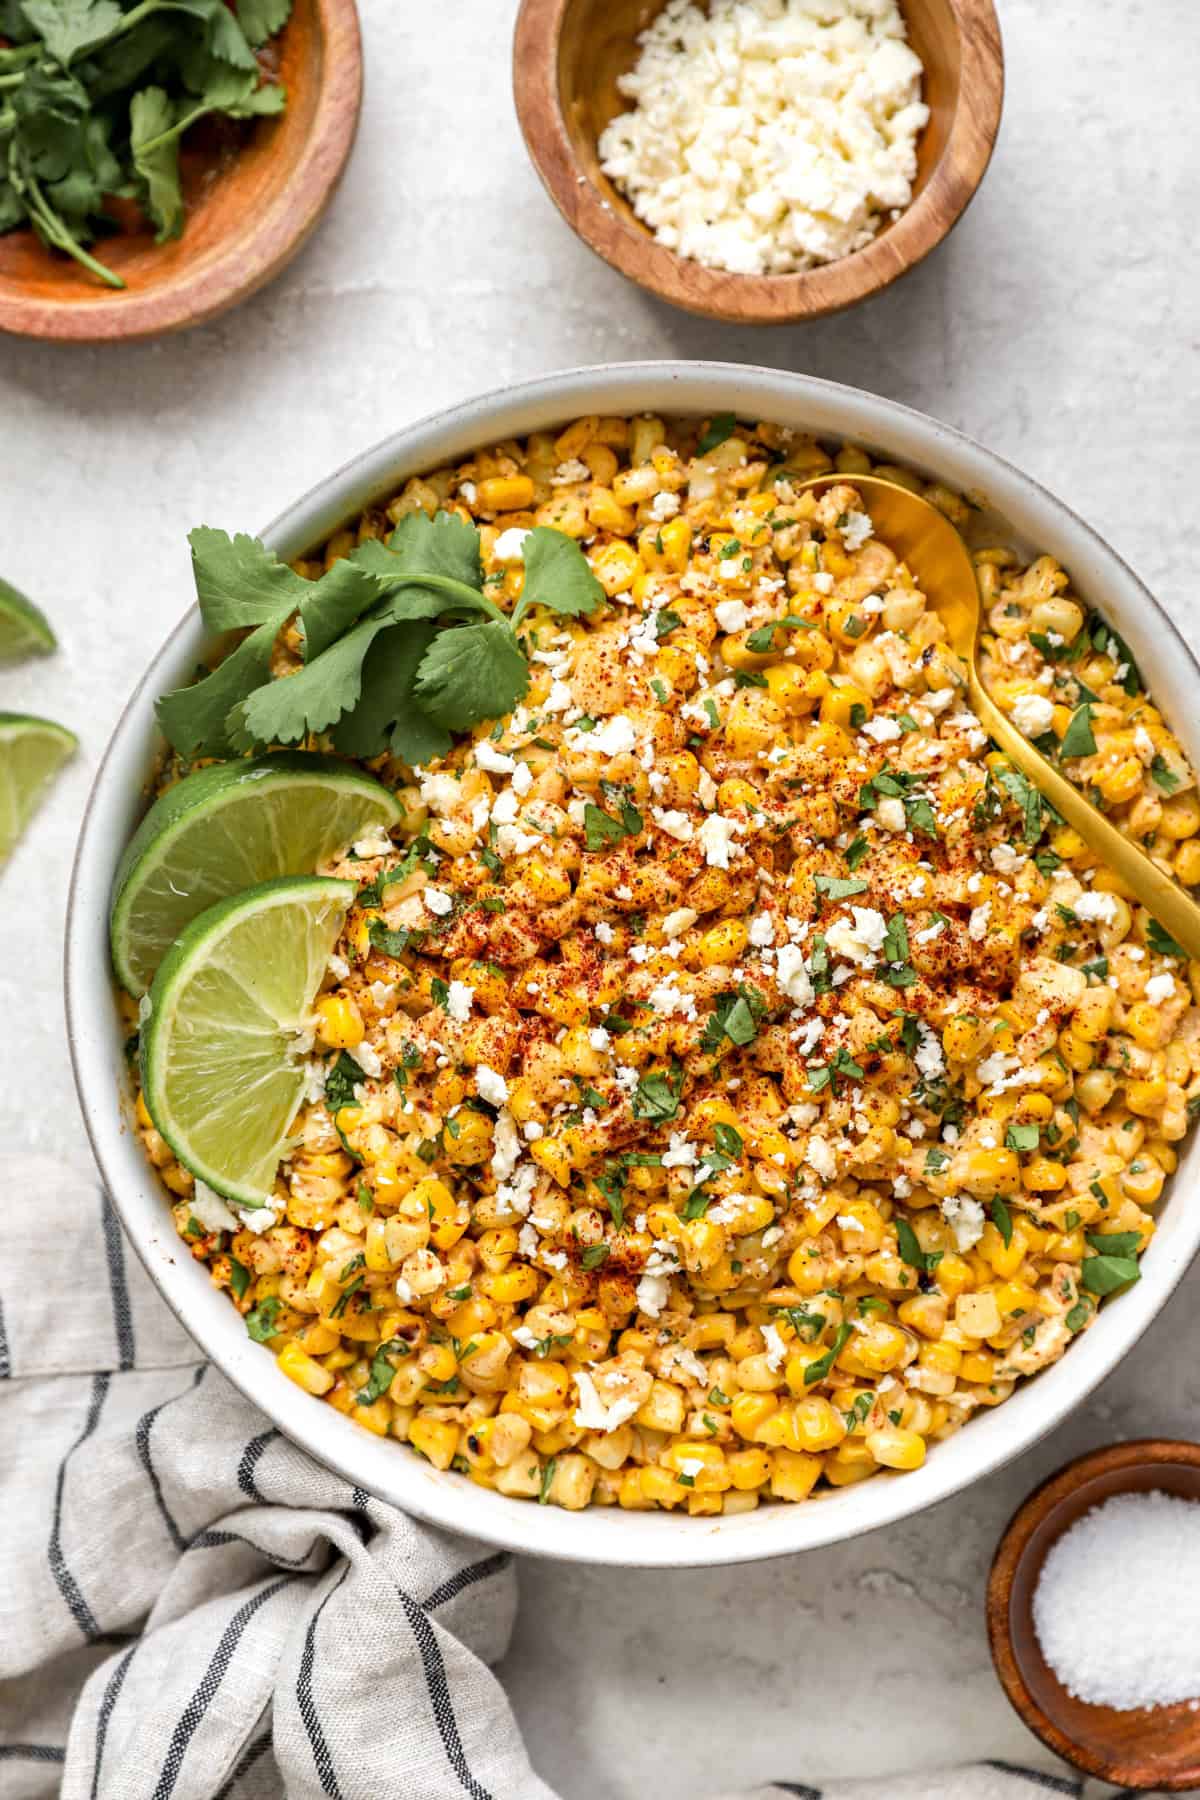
[1094, 1617]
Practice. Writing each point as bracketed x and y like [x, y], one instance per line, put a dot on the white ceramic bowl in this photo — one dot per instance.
[1035, 520]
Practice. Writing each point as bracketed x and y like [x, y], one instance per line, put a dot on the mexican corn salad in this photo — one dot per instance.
[733, 1075]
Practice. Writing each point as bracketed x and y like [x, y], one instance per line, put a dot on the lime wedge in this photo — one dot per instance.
[24, 631]
[227, 828]
[32, 751]
[226, 1027]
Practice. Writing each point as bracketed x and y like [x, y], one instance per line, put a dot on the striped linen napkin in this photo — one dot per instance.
[191, 1609]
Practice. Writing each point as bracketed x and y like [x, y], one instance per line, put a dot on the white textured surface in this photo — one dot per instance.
[1058, 325]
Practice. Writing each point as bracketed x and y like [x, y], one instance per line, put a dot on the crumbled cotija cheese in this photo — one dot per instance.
[768, 136]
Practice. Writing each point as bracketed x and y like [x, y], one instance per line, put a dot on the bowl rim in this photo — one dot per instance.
[760, 299]
[246, 262]
[605, 1536]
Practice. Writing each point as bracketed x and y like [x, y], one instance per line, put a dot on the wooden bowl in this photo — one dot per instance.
[254, 195]
[567, 55]
[1151, 1748]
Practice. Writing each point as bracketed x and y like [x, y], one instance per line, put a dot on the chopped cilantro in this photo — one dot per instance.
[341, 1082]
[1080, 739]
[719, 427]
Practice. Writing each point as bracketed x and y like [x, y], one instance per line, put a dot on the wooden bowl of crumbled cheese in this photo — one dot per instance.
[760, 161]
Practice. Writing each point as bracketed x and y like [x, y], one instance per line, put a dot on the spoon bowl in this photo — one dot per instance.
[1150, 1748]
[938, 557]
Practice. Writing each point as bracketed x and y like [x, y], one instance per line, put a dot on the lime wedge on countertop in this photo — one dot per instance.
[24, 631]
[32, 751]
[226, 1026]
[229, 827]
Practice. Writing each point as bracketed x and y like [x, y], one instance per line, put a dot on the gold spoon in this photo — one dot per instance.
[939, 559]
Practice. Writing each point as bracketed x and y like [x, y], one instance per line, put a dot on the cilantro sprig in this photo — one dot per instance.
[95, 97]
[402, 647]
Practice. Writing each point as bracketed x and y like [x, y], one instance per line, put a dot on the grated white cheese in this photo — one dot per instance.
[769, 136]
[490, 1085]
[593, 1415]
[1032, 714]
[510, 545]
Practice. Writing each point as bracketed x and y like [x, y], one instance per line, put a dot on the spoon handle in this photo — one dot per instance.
[1168, 902]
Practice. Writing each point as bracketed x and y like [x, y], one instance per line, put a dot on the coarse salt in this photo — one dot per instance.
[1112, 1608]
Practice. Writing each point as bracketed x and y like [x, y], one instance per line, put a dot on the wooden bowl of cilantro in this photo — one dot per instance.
[161, 160]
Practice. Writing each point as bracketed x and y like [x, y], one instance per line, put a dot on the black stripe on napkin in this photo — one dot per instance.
[1054, 1784]
[439, 1697]
[45, 1753]
[5, 1357]
[210, 1681]
[142, 1440]
[250, 1755]
[114, 1251]
[67, 1586]
[307, 1705]
[466, 1578]
[113, 1686]
[251, 1457]
[213, 1539]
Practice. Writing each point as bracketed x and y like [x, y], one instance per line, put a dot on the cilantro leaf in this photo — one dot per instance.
[1105, 1274]
[728, 1141]
[69, 27]
[1079, 739]
[261, 1319]
[1022, 1137]
[911, 1252]
[382, 1367]
[240, 582]
[557, 575]
[834, 887]
[195, 718]
[1001, 1219]
[1027, 799]
[471, 673]
[736, 1017]
[341, 1082]
[1115, 1243]
[895, 941]
[281, 712]
[719, 427]
[920, 815]
[443, 545]
[223, 36]
[1163, 775]
[151, 114]
[657, 1095]
[261, 19]
[1161, 941]
[387, 714]
[600, 828]
[817, 1371]
[762, 639]
[329, 607]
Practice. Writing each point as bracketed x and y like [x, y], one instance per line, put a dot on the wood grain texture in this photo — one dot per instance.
[254, 196]
[567, 55]
[1158, 1748]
